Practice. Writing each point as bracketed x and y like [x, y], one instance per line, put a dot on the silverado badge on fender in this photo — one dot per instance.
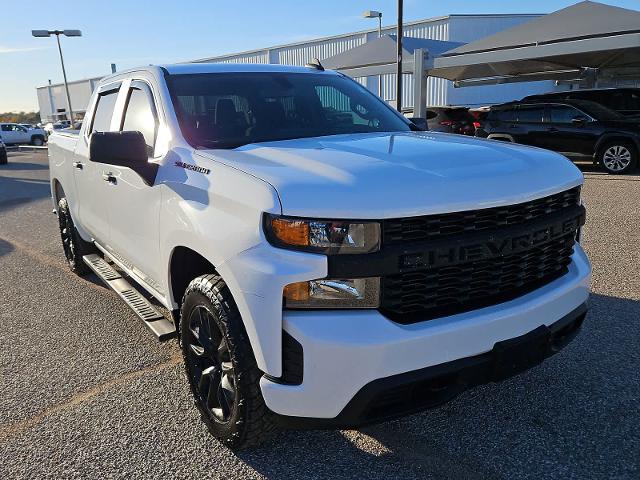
[193, 168]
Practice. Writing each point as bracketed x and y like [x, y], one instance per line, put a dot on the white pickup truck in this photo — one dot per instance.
[325, 264]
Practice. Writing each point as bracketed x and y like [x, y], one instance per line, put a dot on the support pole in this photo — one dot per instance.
[399, 60]
[419, 84]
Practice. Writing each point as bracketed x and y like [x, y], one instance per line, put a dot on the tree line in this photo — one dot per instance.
[20, 117]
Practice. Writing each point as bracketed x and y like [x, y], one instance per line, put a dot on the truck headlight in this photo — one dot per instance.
[322, 236]
[333, 293]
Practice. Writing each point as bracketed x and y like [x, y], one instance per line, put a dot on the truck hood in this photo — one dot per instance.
[375, 176]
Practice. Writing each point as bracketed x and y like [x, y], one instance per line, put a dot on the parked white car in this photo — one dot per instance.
[15, 134]
[326, 265]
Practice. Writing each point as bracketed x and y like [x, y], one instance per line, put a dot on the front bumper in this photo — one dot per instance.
[345, 351]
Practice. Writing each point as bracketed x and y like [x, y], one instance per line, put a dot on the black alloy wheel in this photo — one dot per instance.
[209, 364]
[74, 247]
[220, 365]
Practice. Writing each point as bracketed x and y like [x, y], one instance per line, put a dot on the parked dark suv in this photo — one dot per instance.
[574, 127]
[623, 100]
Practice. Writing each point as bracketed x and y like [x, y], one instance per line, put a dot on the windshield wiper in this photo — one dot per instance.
[223, 144]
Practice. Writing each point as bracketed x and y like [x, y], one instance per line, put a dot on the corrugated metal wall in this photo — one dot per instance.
[301, 54]
[251, 57]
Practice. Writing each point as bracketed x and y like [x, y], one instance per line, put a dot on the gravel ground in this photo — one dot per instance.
[88, 393]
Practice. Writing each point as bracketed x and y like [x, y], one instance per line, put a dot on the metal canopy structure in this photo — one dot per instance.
[586, 39]
[378, 57]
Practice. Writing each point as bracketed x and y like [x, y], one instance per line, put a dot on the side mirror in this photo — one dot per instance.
[579, 121]
[123, 149]
[421, 123]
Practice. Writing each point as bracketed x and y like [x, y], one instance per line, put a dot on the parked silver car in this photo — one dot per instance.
[15, 134]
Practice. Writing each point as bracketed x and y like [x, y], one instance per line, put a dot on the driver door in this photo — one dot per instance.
[134, 206]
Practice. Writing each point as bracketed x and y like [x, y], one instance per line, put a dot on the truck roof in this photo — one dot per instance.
[194, 68]
[186, 68]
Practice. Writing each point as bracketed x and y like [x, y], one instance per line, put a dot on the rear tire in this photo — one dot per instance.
[73, 245]
[618, 157]
[220, 365]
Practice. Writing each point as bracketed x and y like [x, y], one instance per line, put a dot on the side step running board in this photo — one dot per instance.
[162, 328]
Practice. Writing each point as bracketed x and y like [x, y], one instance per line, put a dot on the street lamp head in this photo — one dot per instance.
[72, 33]
[372, 14]
[40, 33]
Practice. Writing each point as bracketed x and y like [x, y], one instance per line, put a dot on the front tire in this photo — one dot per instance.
[37, 141]
[220, 365]
[618, 157]
[3, 158]
[73, 245]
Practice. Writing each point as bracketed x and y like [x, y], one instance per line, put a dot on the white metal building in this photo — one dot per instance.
[440, 92]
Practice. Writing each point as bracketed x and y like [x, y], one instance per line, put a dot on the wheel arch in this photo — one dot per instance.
[611, 137]
[185, 264]
[57, 191]
[503, 137]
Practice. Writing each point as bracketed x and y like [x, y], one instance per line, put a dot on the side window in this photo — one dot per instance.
[530, 114]
[104, 112]
[6, 128]
[503, 115]
[139, 116]
[563, 114]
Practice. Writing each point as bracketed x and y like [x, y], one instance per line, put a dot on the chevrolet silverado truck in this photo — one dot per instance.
[322, 262]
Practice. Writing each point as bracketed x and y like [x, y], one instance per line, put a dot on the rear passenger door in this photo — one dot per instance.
[134, 206]
[531, 128]
[92, 190]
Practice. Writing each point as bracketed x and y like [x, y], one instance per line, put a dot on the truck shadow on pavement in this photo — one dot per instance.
[575, 415]
[5, 247]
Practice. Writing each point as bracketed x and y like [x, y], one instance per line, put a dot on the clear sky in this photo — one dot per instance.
[131, 33]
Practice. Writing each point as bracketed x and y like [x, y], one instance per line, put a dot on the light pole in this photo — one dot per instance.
[57, 33]
[399, 61]
[374, 14]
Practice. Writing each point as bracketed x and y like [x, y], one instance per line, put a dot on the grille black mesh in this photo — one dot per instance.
[447, 290]
[401, 230]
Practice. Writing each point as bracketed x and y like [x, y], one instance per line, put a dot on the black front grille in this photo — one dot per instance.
[401, 230]
[424, 293]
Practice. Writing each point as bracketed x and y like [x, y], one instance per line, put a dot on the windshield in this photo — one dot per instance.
[598, 111]
[227, 110]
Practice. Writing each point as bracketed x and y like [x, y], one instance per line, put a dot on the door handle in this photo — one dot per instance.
[513, 125]
[78, 165]
[109, 177]
[552, 129]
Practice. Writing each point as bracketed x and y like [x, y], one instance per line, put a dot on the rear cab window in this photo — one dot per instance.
[104, 111]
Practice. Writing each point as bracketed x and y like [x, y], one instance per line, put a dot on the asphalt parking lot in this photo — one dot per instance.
[87, 392]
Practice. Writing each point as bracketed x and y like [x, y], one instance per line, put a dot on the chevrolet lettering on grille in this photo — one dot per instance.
[494, 246]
